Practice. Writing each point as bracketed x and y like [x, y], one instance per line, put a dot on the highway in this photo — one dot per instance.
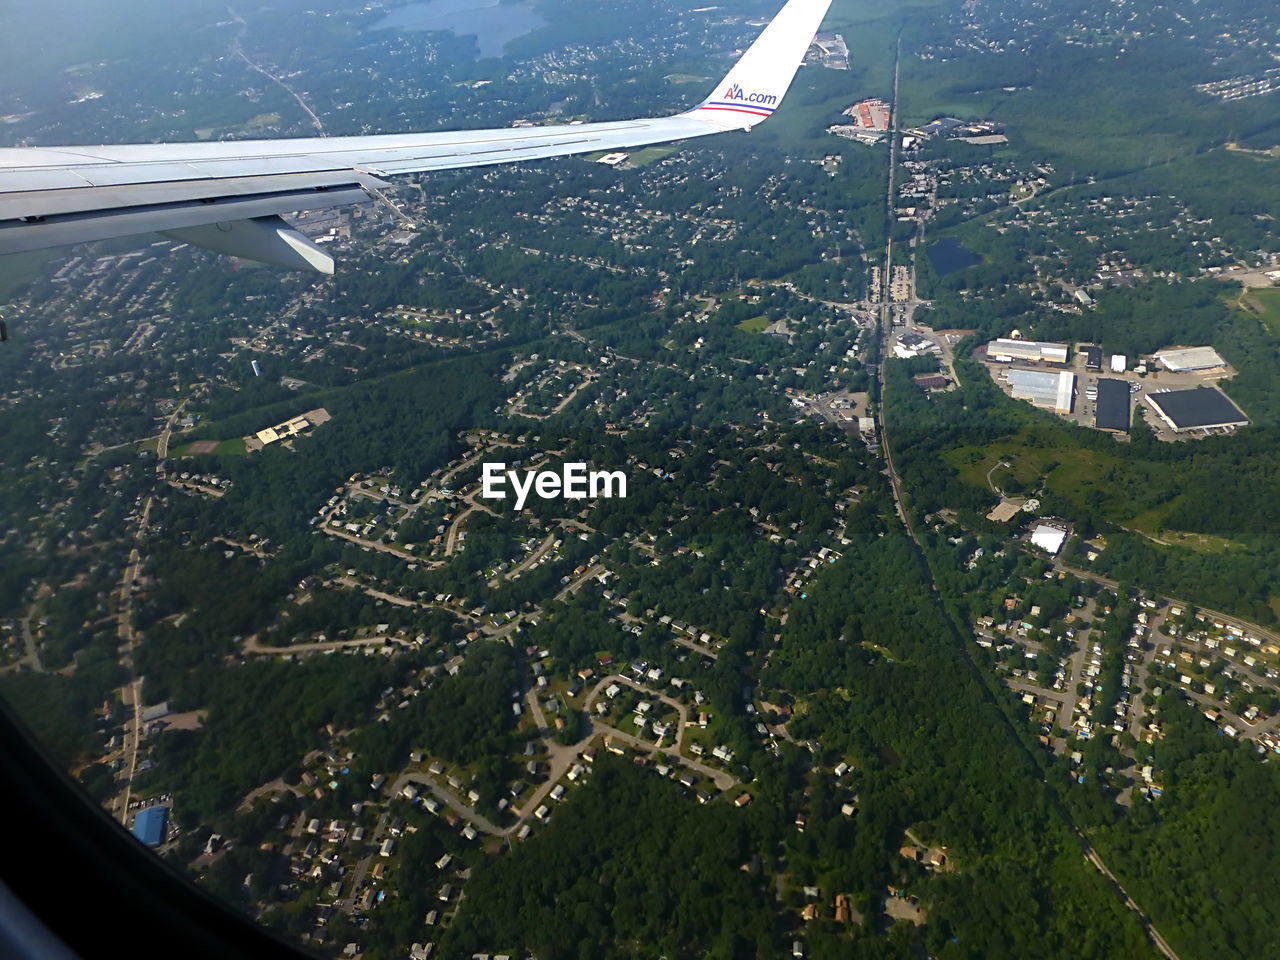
[886, 333]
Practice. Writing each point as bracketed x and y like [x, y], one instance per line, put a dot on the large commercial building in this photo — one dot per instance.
[873, 114]
[912, 344]
[1044, 388]
[148, 825]
[1049, 539]
[1191, 358]
[1036, 351]
[290, 428]
[1113, 405]
[1204, 408]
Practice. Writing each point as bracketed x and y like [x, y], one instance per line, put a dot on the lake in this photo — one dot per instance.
[491, 22]
[949, 255]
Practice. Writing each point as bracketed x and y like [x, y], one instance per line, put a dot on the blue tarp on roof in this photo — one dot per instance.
[148, 826]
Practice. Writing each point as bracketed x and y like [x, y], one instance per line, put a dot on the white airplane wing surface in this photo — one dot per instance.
[228, 195]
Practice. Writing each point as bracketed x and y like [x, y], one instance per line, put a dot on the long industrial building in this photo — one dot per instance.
[1204, 408]
[1191, 358]
[1036, 351]
[1113, 411]
[1044, 388]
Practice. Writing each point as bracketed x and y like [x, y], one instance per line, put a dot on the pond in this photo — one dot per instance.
[491, 22]
[949, 255]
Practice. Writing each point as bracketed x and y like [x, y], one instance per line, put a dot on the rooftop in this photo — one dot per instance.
[1113, 405]
[1201, 407]
[148, 825]
[1191, 358]
[1047, 538]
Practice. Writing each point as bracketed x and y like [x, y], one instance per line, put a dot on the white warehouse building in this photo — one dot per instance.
[1049, 539]
[1190, 358]
[1052, 390]
[1006, 351]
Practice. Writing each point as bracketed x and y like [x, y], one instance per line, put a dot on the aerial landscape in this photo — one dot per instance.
[853, 537]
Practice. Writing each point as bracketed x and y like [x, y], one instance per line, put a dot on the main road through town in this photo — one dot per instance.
[885, 334]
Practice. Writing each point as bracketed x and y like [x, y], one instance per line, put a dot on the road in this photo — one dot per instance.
[347, 904]
[162, 446]
[31, 654]
[128, 640]
[886, 331]
[721, 779]
[238, 51]
[1258, 631]
[468, 813]
[132, 689]
[401, 601]
[886, 308]
[378, 545]
[274, 786]
[533, 557]
[253, 646]
[1092, 856]
[197, 487]
[255, 549]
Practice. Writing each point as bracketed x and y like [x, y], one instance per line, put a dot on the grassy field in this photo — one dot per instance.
[1026, 464]
[754, 324]
[685, 78]
[225, 448]
[1126, 491]
[256, 122]
[648, 155]
[1149, 524]
[1263, 303]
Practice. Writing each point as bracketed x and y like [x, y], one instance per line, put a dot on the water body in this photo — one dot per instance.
[949, 255]
[491, 22]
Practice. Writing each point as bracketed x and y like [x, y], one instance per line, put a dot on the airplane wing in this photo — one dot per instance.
[227, 196]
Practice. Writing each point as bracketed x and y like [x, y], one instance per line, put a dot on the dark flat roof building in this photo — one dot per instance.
[933, 381]
[1203, 408]
[1092, 357]
[1113, 405]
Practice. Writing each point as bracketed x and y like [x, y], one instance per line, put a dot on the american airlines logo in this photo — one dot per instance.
[736, 92]
[737, 100]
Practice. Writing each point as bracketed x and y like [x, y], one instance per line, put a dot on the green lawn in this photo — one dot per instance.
[754, 325]
[1127, 492]
[1263, 303]
[1027, 464]
[1148, 524]
[226, 448]
[648, 155]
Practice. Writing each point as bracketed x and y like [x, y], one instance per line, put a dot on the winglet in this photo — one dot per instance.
[752, 90]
